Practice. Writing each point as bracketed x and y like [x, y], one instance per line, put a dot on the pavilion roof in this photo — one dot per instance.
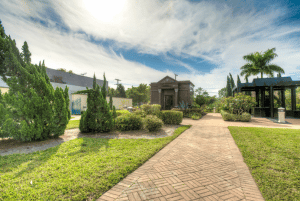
[276, 81]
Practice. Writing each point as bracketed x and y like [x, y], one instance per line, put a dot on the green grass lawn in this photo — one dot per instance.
[73, 124]
[273, 157]
[79, 169]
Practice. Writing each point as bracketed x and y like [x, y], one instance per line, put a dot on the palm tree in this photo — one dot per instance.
[260, 63]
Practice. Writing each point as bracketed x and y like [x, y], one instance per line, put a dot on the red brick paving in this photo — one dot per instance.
[203, 163]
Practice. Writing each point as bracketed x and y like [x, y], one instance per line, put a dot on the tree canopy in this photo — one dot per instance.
[120, 92]
[260, 63]
[32, 109]
[140, 94]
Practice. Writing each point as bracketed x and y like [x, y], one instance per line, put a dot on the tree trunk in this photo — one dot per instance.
[261, 73]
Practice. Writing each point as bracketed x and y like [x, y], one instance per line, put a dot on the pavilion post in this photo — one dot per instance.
[293, 97]
[262, 97]
[257, 96]
[272, 101]
[283, 98]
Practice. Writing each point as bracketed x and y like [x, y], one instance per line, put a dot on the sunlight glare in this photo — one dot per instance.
[104, 10]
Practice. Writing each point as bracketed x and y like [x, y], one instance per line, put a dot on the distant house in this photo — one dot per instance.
[62, 79]
[169, 92]
[76, 83]
[3, 86]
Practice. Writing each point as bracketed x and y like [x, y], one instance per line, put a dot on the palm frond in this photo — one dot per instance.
[276, 68]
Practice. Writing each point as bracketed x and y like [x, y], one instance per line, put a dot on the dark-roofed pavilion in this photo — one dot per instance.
[263, 85]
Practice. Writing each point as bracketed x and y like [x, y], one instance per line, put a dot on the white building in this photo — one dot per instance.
[75, 83]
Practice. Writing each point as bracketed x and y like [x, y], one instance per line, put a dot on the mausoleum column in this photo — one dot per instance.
[176, 97]
[159, 96]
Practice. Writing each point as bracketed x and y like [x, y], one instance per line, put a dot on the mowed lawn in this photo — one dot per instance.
[273, 157]
[73, 124]
[80, 169]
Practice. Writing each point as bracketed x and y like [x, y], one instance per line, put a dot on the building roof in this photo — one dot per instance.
[2, 83]
[72, 79]
[56, 76]
[169, 79]
[276, 81]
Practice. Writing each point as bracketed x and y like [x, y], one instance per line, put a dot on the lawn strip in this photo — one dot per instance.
[77, 169]
[272, 155]
[73, 124]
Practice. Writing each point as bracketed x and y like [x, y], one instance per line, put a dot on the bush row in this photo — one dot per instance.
[149, 116]
[244, 117]
[191, 111]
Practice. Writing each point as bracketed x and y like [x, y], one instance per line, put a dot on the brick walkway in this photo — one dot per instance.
[203, 163]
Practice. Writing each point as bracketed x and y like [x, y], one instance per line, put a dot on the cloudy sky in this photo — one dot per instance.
[141, 41]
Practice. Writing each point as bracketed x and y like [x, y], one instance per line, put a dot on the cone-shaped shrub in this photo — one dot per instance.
[97, 117]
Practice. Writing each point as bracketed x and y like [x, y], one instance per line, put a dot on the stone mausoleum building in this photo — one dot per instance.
[169, 92]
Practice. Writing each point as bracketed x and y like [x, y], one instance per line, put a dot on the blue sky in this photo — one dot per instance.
[142, 41]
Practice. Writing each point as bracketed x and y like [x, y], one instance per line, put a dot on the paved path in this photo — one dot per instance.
[203, 163]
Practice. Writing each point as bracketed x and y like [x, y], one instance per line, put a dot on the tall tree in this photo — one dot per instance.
[260, 63]
[120, 92]
[98, 117]
[26, 54]
[140, 94]
[238, 80]
[201, 91]
[231, 81]
[111, 92]
[34, 111]
[222, 92]
[248, 92]
[228, 87]
[103, 88]
[110, 103]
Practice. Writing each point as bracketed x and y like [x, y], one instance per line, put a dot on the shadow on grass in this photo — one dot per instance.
[35, 159]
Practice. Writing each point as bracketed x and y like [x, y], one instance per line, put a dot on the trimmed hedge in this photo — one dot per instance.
[191, 111]
[121, 112]
[140, 113]
[171, 117]
[151, 109]
[129, 122]
[245, 117]
[153, 123]
[196, 116]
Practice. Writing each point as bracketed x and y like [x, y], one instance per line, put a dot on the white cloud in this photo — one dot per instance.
[206, 30]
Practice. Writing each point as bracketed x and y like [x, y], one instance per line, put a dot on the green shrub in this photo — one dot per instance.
[151, 109]
[245, 117]
[147, 109]
[191, 111]
[114, 112]
[239, 104]
[153, 123]
[171, 117]
[128, 122]
[122, 112]
[195, 117]
[139, 113]
[98, 116]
